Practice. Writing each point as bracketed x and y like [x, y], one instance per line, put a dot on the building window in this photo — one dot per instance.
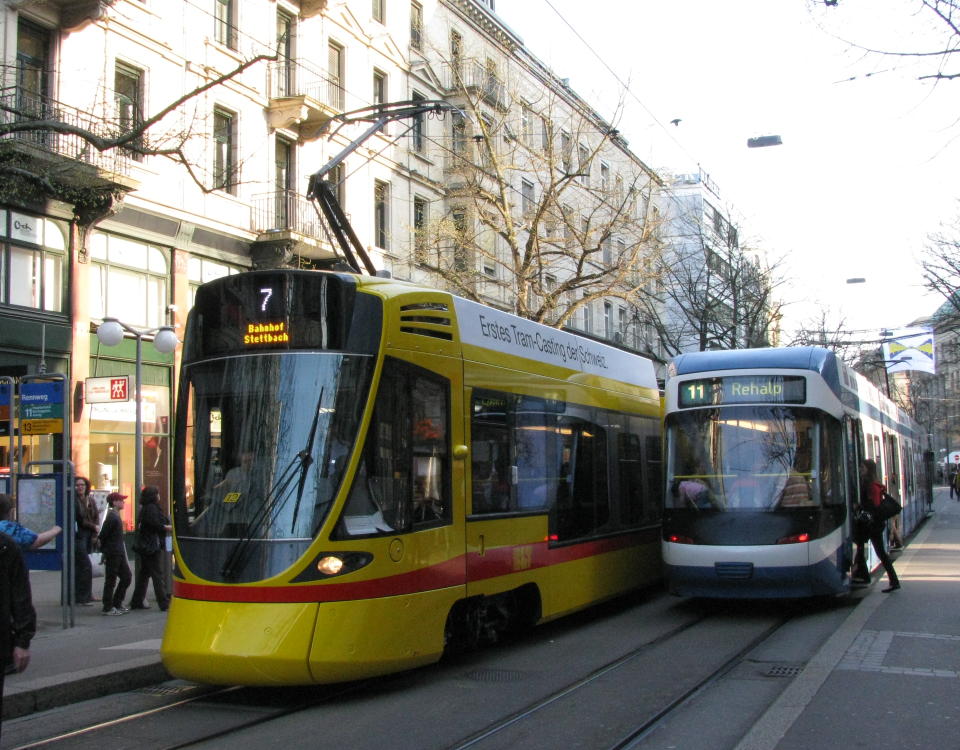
[604, 177]
[566, 152]
[335, 91]
[201, 270]
[416, 26]
[584, 165]
[285, 66]
[33, 67]
[380, 91]
[381, 214]
[460, 255]
[225, 23]
[456, 55]
[607, 250]
[285, 197]
[526, 197]
[587, 317]
[128, 281]
[128, 95]
[526, 125]
[608, 320]
[32, 262]
[337, 182]
[420, 218]
[416, 132]
[225, 151]
[458, 123]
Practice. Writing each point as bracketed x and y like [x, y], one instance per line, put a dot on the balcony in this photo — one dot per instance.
[65, 159]
[474, 77]
[295, 104]
[286, 222]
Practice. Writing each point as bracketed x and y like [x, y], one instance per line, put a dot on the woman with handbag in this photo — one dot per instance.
[149, 545]
[871, 493]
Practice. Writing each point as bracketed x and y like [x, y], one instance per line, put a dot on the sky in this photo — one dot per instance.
[869, 156]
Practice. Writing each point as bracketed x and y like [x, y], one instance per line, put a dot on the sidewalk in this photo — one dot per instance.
[98, 656]
[889, 676]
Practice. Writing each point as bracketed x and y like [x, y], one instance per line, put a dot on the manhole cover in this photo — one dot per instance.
[783, 670]
[496, 675]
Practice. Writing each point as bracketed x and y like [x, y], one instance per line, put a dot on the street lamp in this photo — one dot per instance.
[110, 333]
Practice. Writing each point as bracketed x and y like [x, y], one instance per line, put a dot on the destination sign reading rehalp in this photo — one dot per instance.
[742, 389]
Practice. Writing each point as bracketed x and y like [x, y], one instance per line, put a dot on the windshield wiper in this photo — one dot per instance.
[275, 500]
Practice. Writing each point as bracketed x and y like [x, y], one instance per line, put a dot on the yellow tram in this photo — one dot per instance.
[368, 472]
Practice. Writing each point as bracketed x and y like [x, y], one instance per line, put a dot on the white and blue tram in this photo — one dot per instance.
[763, 450]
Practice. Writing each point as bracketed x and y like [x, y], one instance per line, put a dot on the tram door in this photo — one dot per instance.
[512, 485]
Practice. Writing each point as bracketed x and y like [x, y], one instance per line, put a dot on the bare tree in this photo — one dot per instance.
[712, 293]
[31, 124]
[940, 261]
[939, 22]
[547, 211]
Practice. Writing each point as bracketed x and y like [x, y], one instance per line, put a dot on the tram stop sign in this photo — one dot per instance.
[41, 407]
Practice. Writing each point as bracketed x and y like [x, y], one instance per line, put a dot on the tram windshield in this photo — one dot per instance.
[753, 458]
[266, 442]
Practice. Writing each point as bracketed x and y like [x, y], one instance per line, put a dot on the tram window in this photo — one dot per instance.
[583, 500]
[403, 481]
[654, 472]
[490, 451]
[630, 461]
[537, 459]
[831, 459]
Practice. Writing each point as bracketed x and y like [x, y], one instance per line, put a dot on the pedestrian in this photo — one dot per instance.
[18, 619]
[116, 569]
[955, 485]
[86, 528]
[26, 538]
[150, 545]
[871, 492]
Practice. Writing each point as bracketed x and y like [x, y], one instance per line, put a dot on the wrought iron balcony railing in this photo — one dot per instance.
[45, 124]
[473, 75]
[285, 211]
[286, 78]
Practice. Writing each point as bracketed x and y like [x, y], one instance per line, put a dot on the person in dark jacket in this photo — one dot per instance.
[871, 493]
[86, 528]
[116, 569]
[151, 533]
[18, 619]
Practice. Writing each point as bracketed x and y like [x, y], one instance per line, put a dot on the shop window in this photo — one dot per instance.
[201, 270]
[129, 280]
[32, 262]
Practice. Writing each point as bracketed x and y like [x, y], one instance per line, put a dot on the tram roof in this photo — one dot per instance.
[811, 358]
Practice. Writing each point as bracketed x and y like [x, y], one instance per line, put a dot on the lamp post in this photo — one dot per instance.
[110, 332]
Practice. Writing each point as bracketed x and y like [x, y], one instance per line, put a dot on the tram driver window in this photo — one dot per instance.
[403, 480]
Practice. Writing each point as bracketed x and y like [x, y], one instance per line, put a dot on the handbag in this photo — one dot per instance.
[146, 543]
[888, 507]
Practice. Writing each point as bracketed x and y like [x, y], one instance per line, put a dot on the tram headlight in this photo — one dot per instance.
[329, 564]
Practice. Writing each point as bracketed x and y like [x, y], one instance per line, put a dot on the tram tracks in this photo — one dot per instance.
[655, 716]
[611, 694]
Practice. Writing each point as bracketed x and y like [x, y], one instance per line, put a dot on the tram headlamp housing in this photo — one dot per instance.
[332, 564]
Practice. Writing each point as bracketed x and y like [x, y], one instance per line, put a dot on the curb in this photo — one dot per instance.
[82, 685]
